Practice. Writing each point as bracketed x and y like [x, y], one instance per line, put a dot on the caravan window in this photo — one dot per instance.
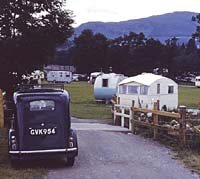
[170, 89]
[143, 89]
[52, 74]
[60, 74]
[122, 89]
[158, 88]
[67, 74]
[105, 83]
[132, 89]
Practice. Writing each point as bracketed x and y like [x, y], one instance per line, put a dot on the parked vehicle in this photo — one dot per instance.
[147, 88]
[60, 76]
[105, 86]
[93, 77]
[41, 126]
[75, 77]
[197, 81]
[80, 77]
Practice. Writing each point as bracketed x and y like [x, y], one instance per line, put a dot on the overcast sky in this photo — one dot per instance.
[120, 10]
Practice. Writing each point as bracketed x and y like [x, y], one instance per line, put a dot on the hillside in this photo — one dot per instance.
[162, 27]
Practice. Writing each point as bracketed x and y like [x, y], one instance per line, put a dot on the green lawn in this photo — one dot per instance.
[83, 104]
[189, 96]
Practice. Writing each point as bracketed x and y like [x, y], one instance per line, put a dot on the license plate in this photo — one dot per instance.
[42, 132]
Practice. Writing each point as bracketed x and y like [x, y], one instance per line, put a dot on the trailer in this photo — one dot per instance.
[197, 81]
[59, 76]
[147, 88]
[105, 86]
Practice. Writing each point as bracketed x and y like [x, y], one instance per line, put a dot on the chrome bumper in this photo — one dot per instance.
[43, 151]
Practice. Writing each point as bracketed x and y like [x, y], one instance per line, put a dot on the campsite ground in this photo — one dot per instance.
[84, 106]
[189, 96]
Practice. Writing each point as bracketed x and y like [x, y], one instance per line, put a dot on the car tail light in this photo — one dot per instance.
[14, 146]
[13, 143]
[12, 140]
[71, 142]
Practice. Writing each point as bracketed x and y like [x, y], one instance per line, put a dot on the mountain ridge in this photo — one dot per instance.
[161, 27]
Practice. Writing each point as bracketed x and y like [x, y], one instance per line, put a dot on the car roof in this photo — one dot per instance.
[38, 91]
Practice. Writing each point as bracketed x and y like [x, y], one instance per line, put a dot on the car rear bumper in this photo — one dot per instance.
[44, 151]
[44, 154]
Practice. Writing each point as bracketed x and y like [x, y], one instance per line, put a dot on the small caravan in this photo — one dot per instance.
[59, 76]
[93, 77]
[105, 86]
[197, 81]
[147, 88]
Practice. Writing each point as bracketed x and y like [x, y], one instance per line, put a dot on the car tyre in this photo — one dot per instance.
[70, 161]
[14, 163]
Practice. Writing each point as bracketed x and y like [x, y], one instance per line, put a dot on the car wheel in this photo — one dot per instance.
[70, 161]
[14, 163]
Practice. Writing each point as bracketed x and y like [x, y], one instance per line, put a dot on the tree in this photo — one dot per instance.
[127, 53]
[30, 31]
[191, 46]
[82, 51]
[90, 52]
[170, 52]
[154, 54]
[100, 49]
[188, 59]
[196, 35]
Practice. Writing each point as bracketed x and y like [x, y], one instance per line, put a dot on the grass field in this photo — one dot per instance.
[83, 104]
[189, 96]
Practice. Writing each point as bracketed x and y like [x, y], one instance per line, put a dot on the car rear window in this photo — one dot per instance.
[42, 105]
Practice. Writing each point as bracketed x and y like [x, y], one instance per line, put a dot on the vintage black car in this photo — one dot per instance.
[41, 126]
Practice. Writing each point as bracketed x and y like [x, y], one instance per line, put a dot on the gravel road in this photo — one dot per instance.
[111, 153]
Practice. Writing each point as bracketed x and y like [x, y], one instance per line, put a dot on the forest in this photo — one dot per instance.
[132, 54]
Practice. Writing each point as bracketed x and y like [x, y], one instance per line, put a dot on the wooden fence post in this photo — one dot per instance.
[131, 113]
[122, 117]
[155, 121]
[114, 101]
[114, 114]
[1, 110]
[182, 129]
[133, 120]
[158, 103]
[118, 100]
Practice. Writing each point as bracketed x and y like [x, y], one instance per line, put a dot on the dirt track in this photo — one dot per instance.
[108, 154]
